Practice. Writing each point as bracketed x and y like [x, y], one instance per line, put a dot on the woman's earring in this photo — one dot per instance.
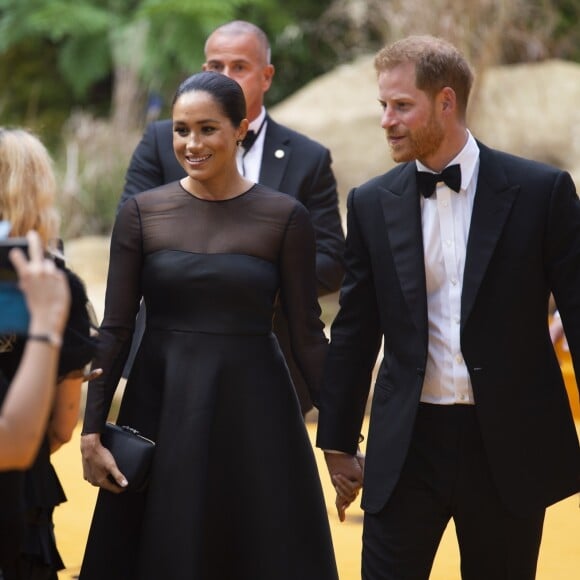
[238, 142]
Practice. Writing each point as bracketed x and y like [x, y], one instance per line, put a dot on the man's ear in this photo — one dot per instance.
[448, 100]
[268, 75]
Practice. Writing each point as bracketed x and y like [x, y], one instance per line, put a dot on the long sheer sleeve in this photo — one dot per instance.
[298, 296]
[122, 299]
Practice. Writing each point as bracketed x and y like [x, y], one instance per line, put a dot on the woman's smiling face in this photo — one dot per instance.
[204, 138]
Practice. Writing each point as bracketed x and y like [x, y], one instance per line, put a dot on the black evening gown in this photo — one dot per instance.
[234, 493]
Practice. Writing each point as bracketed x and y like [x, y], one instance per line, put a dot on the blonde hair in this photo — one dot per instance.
[27, 185]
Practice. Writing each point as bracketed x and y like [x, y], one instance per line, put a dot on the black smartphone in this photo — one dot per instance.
[14, 317]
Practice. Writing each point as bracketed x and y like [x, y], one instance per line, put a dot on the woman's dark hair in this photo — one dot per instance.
[225, 91]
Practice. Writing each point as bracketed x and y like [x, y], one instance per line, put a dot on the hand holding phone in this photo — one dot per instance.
[14, 315]
[43, 287]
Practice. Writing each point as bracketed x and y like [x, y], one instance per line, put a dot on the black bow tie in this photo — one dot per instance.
[249, 140]
[426, 181]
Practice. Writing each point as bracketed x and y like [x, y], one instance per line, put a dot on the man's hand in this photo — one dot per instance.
[346, 475]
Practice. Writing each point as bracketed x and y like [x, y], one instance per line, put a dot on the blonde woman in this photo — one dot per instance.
[28, 399]
[27, 202]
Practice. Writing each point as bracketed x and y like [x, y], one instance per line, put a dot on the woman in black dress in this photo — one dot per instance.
[234, 491]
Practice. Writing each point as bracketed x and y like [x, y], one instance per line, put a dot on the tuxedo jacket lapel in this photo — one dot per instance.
[494, 198]
[402, 214]
[275, 155]
[401, 208]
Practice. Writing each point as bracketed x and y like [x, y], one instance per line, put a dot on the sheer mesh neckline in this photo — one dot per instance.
[190, 194]
[254, 223]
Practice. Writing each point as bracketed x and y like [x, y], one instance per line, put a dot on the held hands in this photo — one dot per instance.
[99, 467]
[346, 474]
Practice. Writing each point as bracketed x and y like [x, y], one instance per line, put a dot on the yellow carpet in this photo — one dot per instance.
[559, 556]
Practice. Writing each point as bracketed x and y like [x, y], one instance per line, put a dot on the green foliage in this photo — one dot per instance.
[28, 97]
[62, 19]
[567, 29]
[84, 61]
[87, 34]
[78, 30]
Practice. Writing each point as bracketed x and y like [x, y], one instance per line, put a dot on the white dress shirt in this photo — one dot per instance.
[446, 217]
[250, 162]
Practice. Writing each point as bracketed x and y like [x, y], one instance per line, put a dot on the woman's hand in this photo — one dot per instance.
[44, 287]
[99, 467]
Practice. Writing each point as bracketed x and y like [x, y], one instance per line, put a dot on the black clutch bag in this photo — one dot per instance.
[133, 454]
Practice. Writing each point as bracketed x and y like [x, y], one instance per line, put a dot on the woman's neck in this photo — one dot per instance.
[218, 189]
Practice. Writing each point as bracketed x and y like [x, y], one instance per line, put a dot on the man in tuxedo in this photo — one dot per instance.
[453, 271]
[272, 154]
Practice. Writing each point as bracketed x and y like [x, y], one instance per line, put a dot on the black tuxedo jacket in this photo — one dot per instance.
[291, 163]
[524, 243]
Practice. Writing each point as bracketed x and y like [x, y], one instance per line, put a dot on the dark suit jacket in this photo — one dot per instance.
[292, 164]
[524, 242]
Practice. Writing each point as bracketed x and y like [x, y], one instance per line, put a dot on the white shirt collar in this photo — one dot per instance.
[257, 122]
[467, 158]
